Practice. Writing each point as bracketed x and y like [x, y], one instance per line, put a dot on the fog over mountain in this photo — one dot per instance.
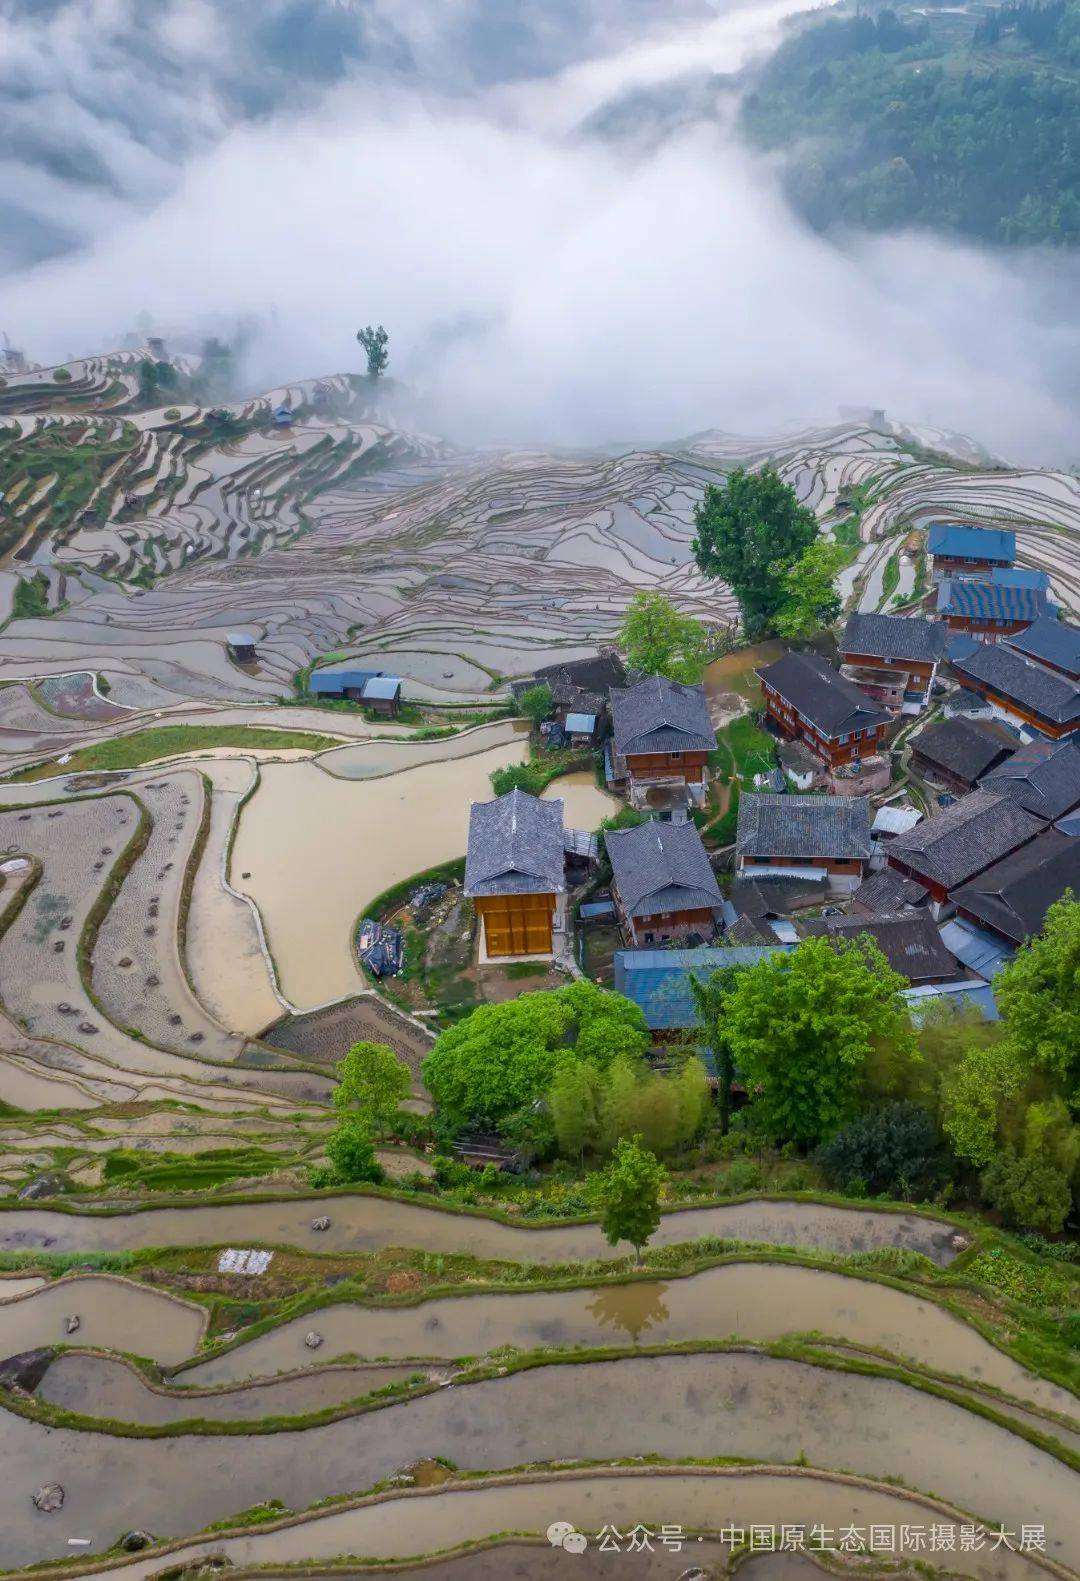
[546, 204]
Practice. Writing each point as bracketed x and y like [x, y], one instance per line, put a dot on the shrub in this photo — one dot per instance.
[741, 1176]
[62, 376]
[895, 1149]
[1042, 1288]
[172, 413]
[352, 1155]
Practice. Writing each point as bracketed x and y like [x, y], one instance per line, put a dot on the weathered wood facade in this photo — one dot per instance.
[688, 766]
[517, 924]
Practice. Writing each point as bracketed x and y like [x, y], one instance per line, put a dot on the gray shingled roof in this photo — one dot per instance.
[956, 844]
[894, 637]
[1044, 777]
[967, 748]
[1012, 896]
[888, 892]
[803, 826]
[822, 695]
[910, 942]
[1012, 676]
[662, 867]
[515, 846]
[658, 715]
[1051, 640]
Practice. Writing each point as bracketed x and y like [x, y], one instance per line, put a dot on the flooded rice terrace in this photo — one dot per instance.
[313, 848]
[701, 1406]
[750, 1300]
[367, 1223]
[97, 1309]
[695, 1501]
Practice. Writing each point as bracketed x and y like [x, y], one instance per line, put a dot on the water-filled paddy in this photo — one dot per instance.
[704, 1500]
[367, 1223]
[107, 1386]
[317, 849]
[116, 1314]
[750, 1300]
[697, 1406]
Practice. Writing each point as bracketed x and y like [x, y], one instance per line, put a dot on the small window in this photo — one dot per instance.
[675, 755]
[844, 741]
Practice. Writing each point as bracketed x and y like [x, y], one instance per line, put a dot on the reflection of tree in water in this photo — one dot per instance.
[633, 1308]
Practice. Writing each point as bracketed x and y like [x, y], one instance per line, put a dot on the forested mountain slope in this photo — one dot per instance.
[957, 122]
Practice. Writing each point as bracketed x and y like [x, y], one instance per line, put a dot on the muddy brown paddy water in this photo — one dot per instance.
[113, 1313]
[359, 1222]
[317, 850]
[701, 1500]
[749, 1300]
[699, 1406]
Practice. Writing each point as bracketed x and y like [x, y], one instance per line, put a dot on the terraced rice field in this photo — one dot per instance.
[162, 919]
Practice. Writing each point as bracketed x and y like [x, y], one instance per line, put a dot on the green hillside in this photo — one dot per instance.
[962, 122]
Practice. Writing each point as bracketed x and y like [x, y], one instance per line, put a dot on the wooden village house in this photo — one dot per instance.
[826, 838]
[663, 884]
[515, 874]
[806, 700]
[999, 605]
[957, 549]
[1040, 700]
[377, 691]
[1052, 643]
[892, 659]
[662, 736]
[956, 845]
[957, 752]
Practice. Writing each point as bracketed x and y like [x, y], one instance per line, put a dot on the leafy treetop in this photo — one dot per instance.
[504, 1056]
[372, 1082]
[629, 1194]
[374, 342]
[657, 639]
[750, 533]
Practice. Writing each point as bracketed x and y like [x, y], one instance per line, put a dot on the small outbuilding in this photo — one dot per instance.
[241, 647]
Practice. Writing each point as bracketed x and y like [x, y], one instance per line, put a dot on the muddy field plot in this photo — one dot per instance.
[136, 967]
[327, 1035]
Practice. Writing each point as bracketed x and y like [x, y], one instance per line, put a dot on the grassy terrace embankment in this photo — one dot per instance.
[166, 741]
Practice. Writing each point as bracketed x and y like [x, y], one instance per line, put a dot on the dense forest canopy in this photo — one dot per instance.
[899, 120]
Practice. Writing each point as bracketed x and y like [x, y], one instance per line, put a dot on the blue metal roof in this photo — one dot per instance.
[990, 600]
[580, 724]
[981, 995]
[597, 908]
[333, 681]
[1020, 576]
[382, 686]
[977, 543]
[659, 980]
[974, 947]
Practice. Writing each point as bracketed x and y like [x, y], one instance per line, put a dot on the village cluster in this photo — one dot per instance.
[946, 841]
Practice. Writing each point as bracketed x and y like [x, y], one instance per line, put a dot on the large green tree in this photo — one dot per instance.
[711, 995]
[372, 1082]
[814, 1031]
[629, 1194]
[1039, 997]
[504, 1056]
[750, 533]
[656, 638]
[811, 599]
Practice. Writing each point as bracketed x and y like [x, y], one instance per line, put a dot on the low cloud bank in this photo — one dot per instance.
[544, 285]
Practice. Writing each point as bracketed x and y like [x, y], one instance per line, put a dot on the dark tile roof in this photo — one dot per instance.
[658, 715]
[662, 867]
[822, 695]
[1044, 777]
[745, 931]
[803, 826]
[1008, 673]
[888, 892]
[576, 700]
[1012, 896]
[515, 846]
[894, 637]
[971, 599]
[967, 748]
[958, 542]
[956, 844]
[598, 673]
[1052, 641]
[910, 942]
[963, 699]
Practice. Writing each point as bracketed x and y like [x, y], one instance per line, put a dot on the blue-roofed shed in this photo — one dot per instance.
[341, 683]
[956, 547]
[283, 416]
[922, 999]
[580, 729]
[659, 980]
